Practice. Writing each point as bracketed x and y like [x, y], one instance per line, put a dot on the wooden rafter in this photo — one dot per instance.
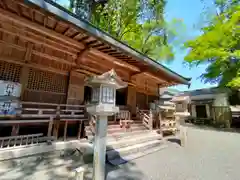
[100, 44]
[103, 47]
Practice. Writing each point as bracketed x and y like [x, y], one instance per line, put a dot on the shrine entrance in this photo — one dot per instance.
[121, 97]
[87, 94]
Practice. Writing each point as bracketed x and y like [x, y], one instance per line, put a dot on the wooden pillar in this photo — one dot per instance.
[15, 130]
[56, 128]
[131, 98]
[208, 111]
[24, 80]
[65, 130]
[25, 70]
[79, 130]
[76, 88]
[147, 101]
[50, 125]
[193, 110]
[56, 123]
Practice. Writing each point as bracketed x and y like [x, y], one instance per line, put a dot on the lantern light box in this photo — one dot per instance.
[104, 93]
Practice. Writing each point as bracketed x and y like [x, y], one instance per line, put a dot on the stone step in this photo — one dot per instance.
[118, 130]
[124, 159]
[121, 152]
[123, 142]
[120, 135]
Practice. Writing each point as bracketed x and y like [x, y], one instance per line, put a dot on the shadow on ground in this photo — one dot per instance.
[60, 165]
[175, 140]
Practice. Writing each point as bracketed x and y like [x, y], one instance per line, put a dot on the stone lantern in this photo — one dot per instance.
[102, 105]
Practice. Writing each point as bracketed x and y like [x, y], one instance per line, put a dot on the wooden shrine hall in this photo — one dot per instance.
[49, 51]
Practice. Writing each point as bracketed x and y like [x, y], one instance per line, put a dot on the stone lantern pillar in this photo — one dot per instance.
[102, 105]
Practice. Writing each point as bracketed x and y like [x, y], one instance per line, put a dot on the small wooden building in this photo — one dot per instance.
[50, 52]
[210, 104]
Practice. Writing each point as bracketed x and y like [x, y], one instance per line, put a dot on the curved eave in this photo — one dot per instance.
[70, 17]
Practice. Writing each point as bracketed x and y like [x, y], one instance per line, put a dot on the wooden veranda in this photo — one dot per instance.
[50, 52]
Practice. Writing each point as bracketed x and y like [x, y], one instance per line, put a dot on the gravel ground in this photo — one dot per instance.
[208, 155]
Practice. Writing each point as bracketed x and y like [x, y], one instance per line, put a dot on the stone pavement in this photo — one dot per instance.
[209, 155]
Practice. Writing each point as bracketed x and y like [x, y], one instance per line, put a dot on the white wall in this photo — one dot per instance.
[221, 100]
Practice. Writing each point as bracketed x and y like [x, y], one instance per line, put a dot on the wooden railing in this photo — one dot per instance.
[13, 141]
[35, 112]
[42, 110]
[123, 115]
[146, 116]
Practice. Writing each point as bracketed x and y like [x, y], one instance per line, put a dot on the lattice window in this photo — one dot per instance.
[10, 71]
[44, 97]
[47, 81]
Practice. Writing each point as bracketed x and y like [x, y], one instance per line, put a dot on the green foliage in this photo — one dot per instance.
[219, 46]
[138, 23]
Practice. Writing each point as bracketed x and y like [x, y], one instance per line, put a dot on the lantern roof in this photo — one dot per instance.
[108, 78]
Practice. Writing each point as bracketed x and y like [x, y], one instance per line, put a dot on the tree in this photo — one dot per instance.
[219, 46]
[138, 23]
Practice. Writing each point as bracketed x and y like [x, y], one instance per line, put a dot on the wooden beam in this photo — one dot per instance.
[38, 53]
[153, 77]
[81, 56]
[40, 39]
[54, 58]
[122, 64]
[92, 60]
[33, 65]
[40, 29]
[148, 75]
[103, 67]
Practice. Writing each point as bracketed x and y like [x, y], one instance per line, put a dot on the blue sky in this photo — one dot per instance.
[189, 11]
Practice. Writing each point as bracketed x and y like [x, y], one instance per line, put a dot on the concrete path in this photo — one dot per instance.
[209, 155]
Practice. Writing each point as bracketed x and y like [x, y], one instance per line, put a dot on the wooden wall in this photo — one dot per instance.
[131, 98]
[44, 86]
[75, 94]
[141, 100]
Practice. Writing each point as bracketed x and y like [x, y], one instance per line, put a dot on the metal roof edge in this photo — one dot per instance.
[66, 15]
